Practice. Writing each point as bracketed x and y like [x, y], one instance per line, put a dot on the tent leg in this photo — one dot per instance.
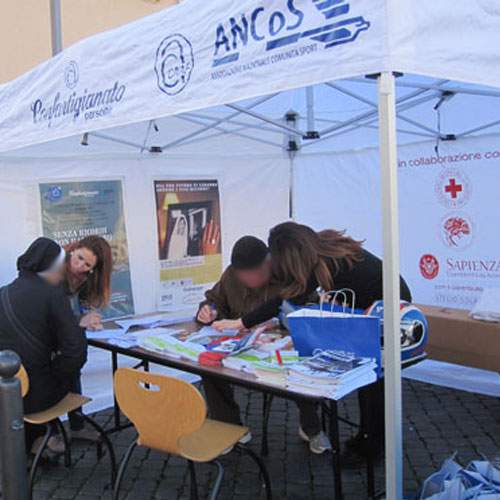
[390, 227]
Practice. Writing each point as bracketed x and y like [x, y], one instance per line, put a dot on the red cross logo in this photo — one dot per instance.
[453, 188]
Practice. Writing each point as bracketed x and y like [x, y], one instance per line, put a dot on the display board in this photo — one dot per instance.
[449, 212]
[189, 240]
[74, 210]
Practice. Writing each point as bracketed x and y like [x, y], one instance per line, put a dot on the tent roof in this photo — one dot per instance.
[189, 58]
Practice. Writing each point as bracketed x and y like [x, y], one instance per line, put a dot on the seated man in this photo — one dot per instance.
[244, 285]
[37, 323]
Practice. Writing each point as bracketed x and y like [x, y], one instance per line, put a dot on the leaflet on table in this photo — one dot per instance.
[121, 337]
[104, 334]
[153, 321]
[168, 344]
[208, 334]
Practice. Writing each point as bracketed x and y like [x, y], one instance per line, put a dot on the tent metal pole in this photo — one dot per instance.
[202, 116]
[56, 26]
[310, 108]
[266, 119]
[218, 122]
[105, 137]
[224, 131]
[391, 287]
[361, 98]
[477, 129]
[355, 124]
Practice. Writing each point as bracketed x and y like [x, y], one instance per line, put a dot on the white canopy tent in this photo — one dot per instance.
[196, 56]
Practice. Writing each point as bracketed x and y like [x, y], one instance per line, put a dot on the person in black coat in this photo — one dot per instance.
[304, 260]
[36, 321]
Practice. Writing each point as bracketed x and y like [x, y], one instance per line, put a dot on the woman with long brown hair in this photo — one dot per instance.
[89, 264]
[304, 260]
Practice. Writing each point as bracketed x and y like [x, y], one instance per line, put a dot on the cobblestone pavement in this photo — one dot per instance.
[437, 422]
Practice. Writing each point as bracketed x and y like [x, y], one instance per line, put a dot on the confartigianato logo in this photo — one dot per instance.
[276, 29]
[86, 104]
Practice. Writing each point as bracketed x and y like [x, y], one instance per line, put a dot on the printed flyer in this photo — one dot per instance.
[189, 240]
[73, 210]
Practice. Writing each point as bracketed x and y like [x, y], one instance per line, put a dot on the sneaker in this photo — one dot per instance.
[85, 435]
[54, 445]
[244, 440]
[318, 444]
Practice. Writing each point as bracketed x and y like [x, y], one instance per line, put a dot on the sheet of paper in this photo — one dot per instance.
[105, 334]
[151, 321]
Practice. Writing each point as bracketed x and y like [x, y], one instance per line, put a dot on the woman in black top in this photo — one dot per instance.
[37, 322]
[304, 260]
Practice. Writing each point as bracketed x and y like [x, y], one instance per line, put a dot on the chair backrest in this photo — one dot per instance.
[162, 408]
[22, 375]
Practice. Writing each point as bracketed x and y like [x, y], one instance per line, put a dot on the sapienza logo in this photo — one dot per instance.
[88, 103]
[281, 28]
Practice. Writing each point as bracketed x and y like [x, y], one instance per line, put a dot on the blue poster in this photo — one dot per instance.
[73, 210]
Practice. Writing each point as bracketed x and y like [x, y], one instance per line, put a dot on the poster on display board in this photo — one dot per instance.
[189, 241]
[73, 210]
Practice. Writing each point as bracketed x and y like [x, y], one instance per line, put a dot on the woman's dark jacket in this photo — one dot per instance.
[43, 330]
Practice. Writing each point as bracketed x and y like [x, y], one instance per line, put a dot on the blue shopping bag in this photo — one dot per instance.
[336, 330]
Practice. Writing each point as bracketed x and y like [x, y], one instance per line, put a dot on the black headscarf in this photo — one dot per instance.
[40, 256]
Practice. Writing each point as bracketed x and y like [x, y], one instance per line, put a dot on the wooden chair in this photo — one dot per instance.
[170, 416]
[51, 418]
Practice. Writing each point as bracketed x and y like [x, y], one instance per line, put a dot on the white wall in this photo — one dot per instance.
[254, 195]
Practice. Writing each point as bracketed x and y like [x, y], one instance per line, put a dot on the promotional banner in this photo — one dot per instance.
[189, 240]
[192, 56]
[448, 209]
[73, 210]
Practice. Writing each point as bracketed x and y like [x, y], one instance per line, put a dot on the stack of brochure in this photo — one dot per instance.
[168, 344]
[331, 374]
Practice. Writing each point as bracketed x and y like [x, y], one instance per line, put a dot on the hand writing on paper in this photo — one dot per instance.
[229, 324]
[91, 321]
[206, 314]
[211, 239]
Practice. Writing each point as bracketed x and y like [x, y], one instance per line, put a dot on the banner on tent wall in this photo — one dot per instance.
[454, 251]
[449, 213]
[73, 210]
[189, 241]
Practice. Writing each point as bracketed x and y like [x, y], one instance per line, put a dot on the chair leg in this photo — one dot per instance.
[38, 456]
[194, 485]
[218, 480]
[67, 444]
[107, 443]
[262, 469]
[121, 470]
[266, 412]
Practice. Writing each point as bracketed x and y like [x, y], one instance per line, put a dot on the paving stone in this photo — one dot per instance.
[437, 421]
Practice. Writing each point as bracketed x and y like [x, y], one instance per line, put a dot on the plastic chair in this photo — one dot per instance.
[170, 416]
[51, 419]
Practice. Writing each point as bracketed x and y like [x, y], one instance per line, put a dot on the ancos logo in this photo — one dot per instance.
[280, 28]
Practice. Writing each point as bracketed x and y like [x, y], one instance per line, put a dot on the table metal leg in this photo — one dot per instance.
[335, 440]
[116, 408]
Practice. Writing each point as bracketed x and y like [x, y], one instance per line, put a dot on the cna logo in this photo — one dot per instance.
[453, 188]
[281, 28]
[54, 194]
[429, 266]
[71, 75]
[457, 231]
[174, 64]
